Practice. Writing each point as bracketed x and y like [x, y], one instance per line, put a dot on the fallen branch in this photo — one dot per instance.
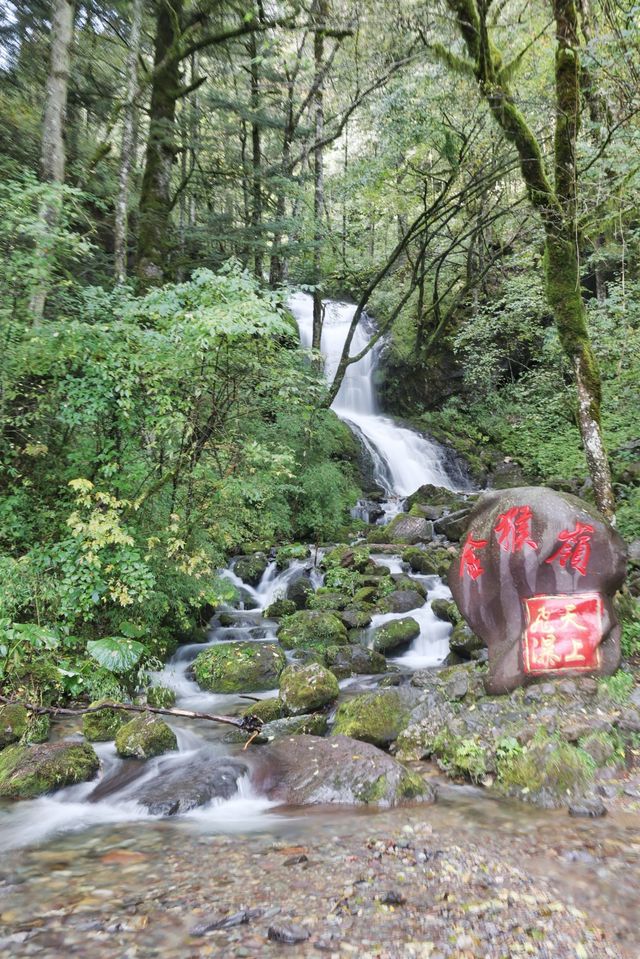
[249, 724]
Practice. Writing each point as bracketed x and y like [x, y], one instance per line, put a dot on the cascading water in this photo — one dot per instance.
[402, 459]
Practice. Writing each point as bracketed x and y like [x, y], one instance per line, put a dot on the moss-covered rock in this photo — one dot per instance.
[347, 557]
[366, 594]
[400, 601]
[430, 562]
[267, 710]
[403, 529]
[435, 496]
[354, 660]
[395, 634]
[312, 628]
[102, 726]
[376, 718]
[313, 724]
[445, 610]
[251, 569]
[304, 689]
[464, 642]
[300, 592]
[239, 667]
[404, 582]
[279, 608]
[144, 737]
[355, 618]
[329, 600]
[30, 771]
[38, 729]
[13, 723]
[547, 771]
[285, 554]
[162, 697]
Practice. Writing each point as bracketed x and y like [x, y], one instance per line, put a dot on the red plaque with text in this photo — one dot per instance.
[562, 632]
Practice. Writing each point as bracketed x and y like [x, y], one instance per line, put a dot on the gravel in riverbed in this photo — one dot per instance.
[407, 893]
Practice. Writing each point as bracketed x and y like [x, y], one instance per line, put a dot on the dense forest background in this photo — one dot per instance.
[171, 168]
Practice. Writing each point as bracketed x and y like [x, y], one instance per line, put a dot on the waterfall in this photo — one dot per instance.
[402, 459]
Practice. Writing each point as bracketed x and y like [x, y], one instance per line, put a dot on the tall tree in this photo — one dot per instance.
[321, 11]
[555, 201]
[126, 152]
[52, 160]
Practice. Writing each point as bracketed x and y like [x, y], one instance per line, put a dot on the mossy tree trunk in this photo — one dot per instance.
[128, 144]
[320, 12]
[555, 202]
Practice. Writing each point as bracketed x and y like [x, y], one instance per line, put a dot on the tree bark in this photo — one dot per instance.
[556, 205]
[256, 161]
[154, 235]
[127, 149]
[320, 12]
[53, 151]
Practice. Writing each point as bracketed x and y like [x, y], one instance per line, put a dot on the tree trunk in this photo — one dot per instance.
[53, 152]
[557, 207]
[154, 243]
[256, 161]
[321, 11]
[126, 153]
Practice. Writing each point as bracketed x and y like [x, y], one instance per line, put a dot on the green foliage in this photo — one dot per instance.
[116, 653]
[617, 687]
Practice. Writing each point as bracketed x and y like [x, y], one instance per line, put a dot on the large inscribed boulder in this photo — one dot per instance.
[535, 579]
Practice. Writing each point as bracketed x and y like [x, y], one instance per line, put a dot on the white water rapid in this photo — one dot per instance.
[402, 459]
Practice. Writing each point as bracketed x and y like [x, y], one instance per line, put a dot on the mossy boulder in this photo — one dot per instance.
[454, 525]
[285, 554]
[162, 697]
[354, 660]
[30, 771]
[38, 729]
[403, 529]
[376, 718]
[251, 569]
[547, 771]
[445, 610]
[313, 724]
[239, 667]
[144, 737]
[299, 592]
[304, 689]
[13, 723]
[428, 562]
[404, 582]
[329, 600]
[434, 496]
[347, 557]
[395, 634]
[279, 608]
[102, 726]
[267, 710]
[356, 618]
[366, 594]
[312, 628]
[400, 601]
[464, 642]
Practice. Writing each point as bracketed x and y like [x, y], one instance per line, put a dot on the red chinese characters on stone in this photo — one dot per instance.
[562, 632]
[575, 548]
[513, 529]
[470, 564]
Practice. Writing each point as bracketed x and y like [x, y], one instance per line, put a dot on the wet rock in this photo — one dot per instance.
[288, 934]
[464, 642]
[395, 634]
[313, 724]
[183, 786]
[299, 591]
[445, 610]
[588, 808]
[30, 771]
[312, 628]
[307, 770]
[347, 557]
[376, 718]
[102, 726]
[535, 579]
[404, 529]
[430, 562]
[251, 569]
[304, 689]
[400, 601]
[344, 661]
[355, 618]
[405, 582]
[454, 525]
[161, 697]
[144, 737]
[13, 723]
[267, 709]
[237, 667]
[433, 496]
[330, 600]
[239, 918]
[285, 554]
[280, 608]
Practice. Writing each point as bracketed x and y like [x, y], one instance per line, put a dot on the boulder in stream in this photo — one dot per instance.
[238, 667]
[376, 717]
[144, 737]
[344, 661]
[308, 770]
[403, 529]
[251, 568]
[395, 634]
[13, 723]
[306, 688]
[400, 601]
[102, 726]
[30, 771]
[312, 628]
[179, 787]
